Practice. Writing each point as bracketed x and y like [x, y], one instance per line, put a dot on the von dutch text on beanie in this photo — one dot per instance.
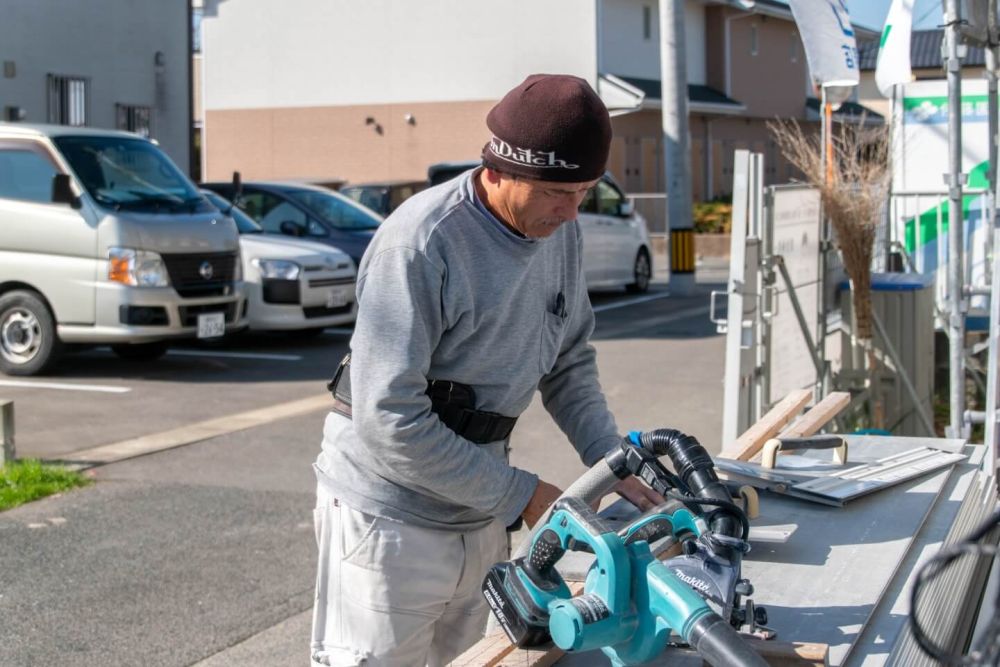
[552, 127]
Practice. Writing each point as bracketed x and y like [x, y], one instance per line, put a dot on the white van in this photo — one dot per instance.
[104, 240]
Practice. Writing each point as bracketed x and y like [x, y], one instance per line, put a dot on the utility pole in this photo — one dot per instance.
[954, 179]
[676, 145]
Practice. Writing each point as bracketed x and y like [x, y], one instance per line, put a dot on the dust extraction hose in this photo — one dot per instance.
[695, 468]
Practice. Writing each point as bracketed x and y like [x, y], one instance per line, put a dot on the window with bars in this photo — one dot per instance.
[67, 99]
[134, 118]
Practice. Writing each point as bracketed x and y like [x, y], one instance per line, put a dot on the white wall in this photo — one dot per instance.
[113, 42]
[626, 51]
[301, 53]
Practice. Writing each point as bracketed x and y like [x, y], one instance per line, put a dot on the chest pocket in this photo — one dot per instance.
[553, 331]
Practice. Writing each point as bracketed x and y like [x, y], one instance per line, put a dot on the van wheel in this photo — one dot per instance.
[28, 341]
[141, 351]
[641, 272]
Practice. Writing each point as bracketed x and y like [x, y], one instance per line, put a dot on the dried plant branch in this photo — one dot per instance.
[852, 195]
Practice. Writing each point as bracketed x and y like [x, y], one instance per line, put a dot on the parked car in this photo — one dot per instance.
[383, 197]
[306, 211]
[616, 247]
[291, 284]
[445, 171]
[104, 240]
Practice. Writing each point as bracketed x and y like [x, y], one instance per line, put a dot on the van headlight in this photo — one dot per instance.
[138, 268]
[277, 269]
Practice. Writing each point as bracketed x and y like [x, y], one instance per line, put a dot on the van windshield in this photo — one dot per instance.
[126, 173]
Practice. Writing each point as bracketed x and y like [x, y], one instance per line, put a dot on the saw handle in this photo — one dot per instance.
[552, 542]
[545, 553]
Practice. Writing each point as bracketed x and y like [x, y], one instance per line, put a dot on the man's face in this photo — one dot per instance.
[538, 208]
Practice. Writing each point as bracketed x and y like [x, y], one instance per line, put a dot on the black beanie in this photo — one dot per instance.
[552, 127]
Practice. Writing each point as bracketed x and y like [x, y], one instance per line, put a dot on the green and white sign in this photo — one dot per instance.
[920, 161]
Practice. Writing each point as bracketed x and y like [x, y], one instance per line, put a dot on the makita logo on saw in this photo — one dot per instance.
[544, 159]
[693, 582]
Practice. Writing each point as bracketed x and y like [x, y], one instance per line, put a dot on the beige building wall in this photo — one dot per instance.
[637, 152]
[769, 73]
[355, 143]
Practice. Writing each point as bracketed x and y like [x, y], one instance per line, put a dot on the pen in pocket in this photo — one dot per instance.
[560, 305]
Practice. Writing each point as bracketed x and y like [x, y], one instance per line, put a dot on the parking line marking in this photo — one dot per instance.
[683, 314]
[631, 302]
[29, 384]
[192, 433]
[235, 355]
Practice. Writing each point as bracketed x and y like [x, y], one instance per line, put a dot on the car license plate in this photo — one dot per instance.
[336, 298]
[211, 325]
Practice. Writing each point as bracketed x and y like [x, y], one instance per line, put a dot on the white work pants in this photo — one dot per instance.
[392, 594]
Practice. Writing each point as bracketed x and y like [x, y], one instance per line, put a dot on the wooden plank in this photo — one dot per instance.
[817, 416]
[497, 651]
[487, 652]
[767, 426]
[792, 654]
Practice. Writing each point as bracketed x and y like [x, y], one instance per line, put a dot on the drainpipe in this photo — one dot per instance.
[599, 19]
[189, 16]
[709, 177]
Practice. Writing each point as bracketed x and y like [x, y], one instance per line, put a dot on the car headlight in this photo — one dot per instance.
[277, 269]
[138, 268]
[336, 262]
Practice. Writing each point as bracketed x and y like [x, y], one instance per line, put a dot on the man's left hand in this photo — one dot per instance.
[636, 492]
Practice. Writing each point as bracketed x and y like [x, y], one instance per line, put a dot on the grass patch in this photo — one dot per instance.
[26, 480]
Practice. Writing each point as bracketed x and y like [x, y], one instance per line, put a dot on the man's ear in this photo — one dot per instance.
[492, 176]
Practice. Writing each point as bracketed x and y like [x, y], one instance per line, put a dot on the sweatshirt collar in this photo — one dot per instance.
[469, 193]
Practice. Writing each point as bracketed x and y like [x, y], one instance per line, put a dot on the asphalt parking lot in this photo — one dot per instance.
[197, 549]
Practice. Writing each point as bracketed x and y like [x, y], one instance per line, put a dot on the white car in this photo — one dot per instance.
[291, 283]
[616, 246]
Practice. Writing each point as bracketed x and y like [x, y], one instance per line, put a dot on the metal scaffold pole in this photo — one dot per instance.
[955, 179]
[991, 196]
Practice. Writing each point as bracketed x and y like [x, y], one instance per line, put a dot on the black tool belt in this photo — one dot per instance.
[453, 402]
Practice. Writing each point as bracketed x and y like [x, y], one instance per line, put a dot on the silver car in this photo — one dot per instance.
[291, 284]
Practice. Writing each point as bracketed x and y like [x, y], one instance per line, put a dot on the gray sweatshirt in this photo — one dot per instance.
[446, 292]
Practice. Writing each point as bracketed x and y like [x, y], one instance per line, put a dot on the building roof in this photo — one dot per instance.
[925, 52]
[848, 111]
[697, 94]
[781, 9]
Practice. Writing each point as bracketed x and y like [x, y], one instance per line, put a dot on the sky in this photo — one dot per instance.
[871, 13]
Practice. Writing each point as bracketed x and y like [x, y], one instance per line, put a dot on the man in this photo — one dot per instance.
[471, 296]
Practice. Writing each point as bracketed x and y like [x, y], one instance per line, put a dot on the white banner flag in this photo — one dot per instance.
[894, 49]
[828, 38]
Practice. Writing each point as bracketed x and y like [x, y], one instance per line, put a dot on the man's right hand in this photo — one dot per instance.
[545, 494]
